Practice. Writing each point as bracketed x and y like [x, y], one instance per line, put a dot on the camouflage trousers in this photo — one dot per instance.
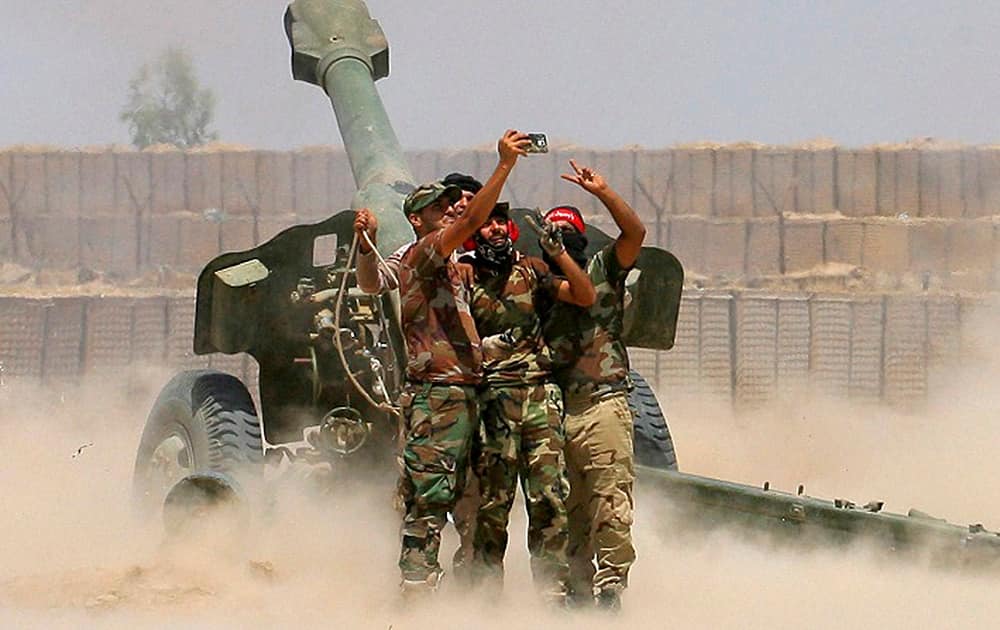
[600, 464]
[464, 515]
[439, 422]
[522, 435]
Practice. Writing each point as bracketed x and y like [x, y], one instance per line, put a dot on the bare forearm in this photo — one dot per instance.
[478, 210]
[376, 279]
[368, 273]
[633, 232]
[511, 145]
[624, 216]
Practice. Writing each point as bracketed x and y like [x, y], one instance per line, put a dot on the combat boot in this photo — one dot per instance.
[414, 591]
[609, 598]
[579, 599]
[555, 596]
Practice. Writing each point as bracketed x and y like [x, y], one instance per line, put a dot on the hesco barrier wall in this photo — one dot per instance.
[919, 215]
[741, 345]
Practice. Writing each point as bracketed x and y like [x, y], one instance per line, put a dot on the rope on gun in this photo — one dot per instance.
[383, 406]
[389, 275]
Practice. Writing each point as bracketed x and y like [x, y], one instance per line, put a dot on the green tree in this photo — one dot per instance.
[166, 104]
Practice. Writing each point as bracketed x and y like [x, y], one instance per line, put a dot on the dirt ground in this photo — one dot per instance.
[73, 555]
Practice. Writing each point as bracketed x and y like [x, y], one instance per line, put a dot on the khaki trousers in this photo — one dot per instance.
[600, 464]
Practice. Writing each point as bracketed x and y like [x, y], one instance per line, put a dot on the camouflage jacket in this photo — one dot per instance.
[510, 302]
[589, 356]
[442, 345]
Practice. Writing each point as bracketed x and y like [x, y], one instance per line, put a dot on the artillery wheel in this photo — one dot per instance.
[203, 421]
[653, 445]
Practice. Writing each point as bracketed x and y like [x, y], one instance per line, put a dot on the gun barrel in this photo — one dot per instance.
[337, 46]
[709, 503]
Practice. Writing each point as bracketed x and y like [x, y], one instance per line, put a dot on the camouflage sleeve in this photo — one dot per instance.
[613, 270]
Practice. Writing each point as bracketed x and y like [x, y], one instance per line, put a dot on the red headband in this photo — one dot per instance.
[568, 214]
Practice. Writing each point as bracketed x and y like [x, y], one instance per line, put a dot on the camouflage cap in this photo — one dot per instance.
[427, 194]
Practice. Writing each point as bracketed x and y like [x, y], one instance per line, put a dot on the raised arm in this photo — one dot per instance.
[511, 146]
[576, 288]
[633, 232]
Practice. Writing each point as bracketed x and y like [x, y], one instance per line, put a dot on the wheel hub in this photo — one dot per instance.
[169, 463]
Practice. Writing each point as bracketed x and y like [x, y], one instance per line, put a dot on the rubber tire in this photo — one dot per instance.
[214, 414]
[653, 445]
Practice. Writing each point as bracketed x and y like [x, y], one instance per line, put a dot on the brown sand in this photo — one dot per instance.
[73, 556]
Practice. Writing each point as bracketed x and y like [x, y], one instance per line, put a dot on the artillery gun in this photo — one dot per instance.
[330, 357]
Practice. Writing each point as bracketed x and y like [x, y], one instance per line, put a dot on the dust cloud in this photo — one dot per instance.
[936, 455]
[75, 555]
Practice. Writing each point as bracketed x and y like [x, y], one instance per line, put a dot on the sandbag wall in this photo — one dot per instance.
[921, 216]
[745, 346]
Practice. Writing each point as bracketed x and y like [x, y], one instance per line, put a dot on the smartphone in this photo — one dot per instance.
[539, 143]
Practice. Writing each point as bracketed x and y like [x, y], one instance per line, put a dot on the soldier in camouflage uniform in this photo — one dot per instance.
[376, 279]
[592, 369]
[444, 364]
[522, 432]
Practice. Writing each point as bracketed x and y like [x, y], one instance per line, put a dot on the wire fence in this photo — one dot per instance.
[745, 346]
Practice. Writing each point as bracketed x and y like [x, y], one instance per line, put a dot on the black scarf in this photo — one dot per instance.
[494, 258]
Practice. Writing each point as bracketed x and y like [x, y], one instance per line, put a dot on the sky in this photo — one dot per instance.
[602, 74]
